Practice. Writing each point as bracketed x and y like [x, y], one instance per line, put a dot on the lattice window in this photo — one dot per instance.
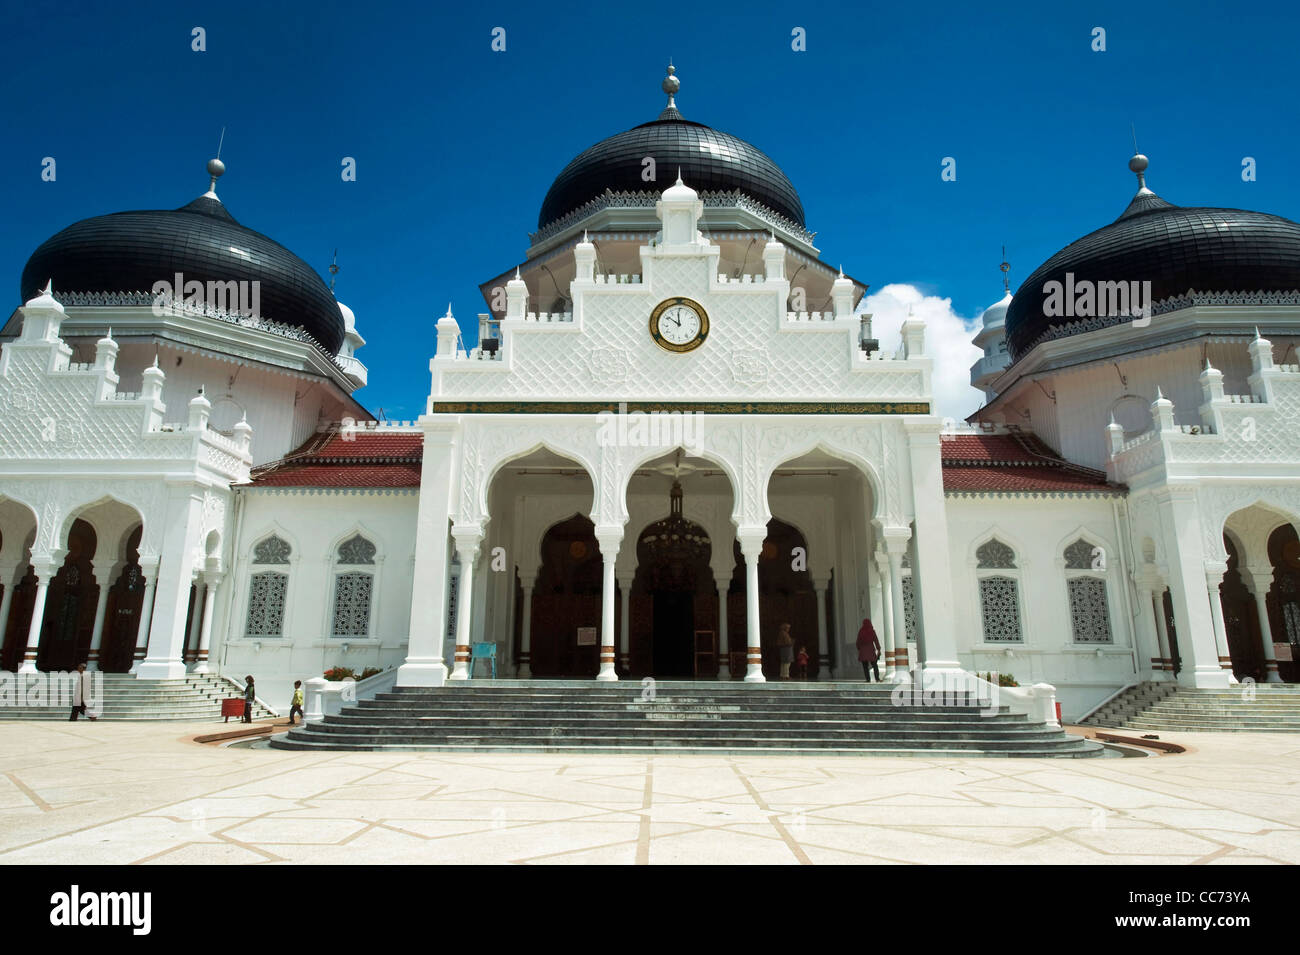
[352, 604]
[1000, 609]
[1083, 556]
[273, 550]
[356, 550]
[909, 608]
[995, 554]
[266, 604]
[1089, 611]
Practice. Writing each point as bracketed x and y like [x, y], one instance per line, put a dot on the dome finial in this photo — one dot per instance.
[334, 269]
[1006, 269]
[670, 85]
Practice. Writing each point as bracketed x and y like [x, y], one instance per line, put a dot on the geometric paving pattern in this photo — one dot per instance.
[76, 793]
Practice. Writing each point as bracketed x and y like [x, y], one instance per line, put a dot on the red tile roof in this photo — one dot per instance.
[384, 459]
[1013, 463]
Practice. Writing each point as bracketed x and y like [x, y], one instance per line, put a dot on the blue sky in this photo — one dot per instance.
[456, 144]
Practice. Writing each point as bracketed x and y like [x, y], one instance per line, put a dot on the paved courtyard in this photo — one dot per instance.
[145, 793]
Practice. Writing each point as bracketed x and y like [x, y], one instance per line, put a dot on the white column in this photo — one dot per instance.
[819, 588]
[931, 574]
[101, 607]
[526, 628]
[45, 572]
[1262, 581]
[167, 633]
[724, 641]
[899, 616]
[468, 539]
[751, 546]
[625, 622]
[149, 570]
[1213, 578]
[609, 539]
[196, 620]
[424, 665]
[205, 632]
[1197, 642]
[892, 665]
[7, 574]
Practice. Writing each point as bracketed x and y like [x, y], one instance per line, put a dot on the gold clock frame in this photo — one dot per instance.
[668, 303]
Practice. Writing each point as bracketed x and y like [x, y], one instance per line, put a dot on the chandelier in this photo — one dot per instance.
[674, 546]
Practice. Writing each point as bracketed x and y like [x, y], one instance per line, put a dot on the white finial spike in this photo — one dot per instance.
[155, 359]
[516, 279]
[1257, 334]
[679, 175]
[584, 235]
[49, 288]
[1207, 364]
[244, 419]
[1160, 395]
[841, 270]
[109, 336]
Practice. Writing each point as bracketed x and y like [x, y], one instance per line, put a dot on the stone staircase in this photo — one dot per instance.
[1249, 708]
[682, 717]
[193, 699]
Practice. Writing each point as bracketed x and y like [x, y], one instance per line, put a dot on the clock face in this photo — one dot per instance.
[679, 324]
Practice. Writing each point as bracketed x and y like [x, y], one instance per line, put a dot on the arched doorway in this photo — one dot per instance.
[566, 599]
[674, 606]
[1284, 600]
[785, 595]
[70, 605]
[20, 619]
[122, 614]
[1240, 619]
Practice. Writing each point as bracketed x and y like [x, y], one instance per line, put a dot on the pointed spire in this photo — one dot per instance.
[334, 269]
[670, 85]
[519, 278]
[1160, 395]
[1005, 267]
[1258, 336]
[679, 176]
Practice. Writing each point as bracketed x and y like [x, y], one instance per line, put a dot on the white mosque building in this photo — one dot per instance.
[675, 433]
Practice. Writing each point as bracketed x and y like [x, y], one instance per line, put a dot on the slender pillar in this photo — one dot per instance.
[625, 621]
[526, 629]
[150, 572]
[931, 573]
[1187, 583]
[205, 631]
[751, 546]
[900, 617]
[103, 577]
[45, 573]
[468, 541]
[724, 641]
[196, 620]
[1262, 581]
[165, 656]
[819, 588]
[7, 575]
[609, 539]
[1213, 578]
[888, 645]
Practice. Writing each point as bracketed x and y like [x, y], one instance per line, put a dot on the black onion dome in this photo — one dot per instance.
[1177, 249]
[710, 161]
[130, 251]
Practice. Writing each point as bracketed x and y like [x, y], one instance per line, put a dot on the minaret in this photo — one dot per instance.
[991, 338]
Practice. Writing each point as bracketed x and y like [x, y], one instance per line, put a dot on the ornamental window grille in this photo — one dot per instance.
[273, 550]
[1089, 610]
[1000, 609]
[1084, 556]
[909, 607]
[356, 550]
[994, 554]
[266, 592]
[352, 592]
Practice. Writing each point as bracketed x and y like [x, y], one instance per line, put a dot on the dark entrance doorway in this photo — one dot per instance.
[122, 617]
[1240, 620]
[673, 597]
[785, 595]
[1284, 601]
[566, 598]
[673, 634]
[70, 605]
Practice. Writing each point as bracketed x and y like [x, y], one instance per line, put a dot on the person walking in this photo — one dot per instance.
[868, 650]
[801, 663]
[785, 646]
[250, 697]
[81, 683]
[296, 706]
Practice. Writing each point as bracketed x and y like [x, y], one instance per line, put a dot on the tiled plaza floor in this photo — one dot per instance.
[138, 793]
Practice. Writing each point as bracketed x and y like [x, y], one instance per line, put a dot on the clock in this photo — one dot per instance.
[679, 324]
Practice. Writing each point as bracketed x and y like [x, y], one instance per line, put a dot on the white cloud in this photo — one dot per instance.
[947, 341]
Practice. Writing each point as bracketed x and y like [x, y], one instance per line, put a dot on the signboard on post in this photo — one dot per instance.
[586, 636]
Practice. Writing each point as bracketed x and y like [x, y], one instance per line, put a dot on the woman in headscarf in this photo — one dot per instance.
[868, 650]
